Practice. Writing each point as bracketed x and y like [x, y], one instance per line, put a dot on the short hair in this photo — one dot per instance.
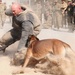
[16, 6]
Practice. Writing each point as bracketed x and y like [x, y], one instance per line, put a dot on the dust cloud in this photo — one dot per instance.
[56, 65]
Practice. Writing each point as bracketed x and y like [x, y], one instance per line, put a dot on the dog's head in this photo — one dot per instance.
[30, 39]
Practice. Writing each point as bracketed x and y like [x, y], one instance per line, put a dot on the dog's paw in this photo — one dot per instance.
[18, 71]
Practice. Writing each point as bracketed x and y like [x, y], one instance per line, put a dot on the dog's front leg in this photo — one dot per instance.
[26, 59]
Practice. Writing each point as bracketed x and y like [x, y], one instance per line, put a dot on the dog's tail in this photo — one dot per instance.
[69, 52]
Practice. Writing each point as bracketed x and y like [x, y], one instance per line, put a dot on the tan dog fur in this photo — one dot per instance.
[39, 49]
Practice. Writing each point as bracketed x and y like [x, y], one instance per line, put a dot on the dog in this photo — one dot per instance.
[39, 49]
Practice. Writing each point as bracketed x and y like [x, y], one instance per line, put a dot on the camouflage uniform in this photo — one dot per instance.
[57, 15]
[48, 21]
[2, 13]
[63, 8]
[5, 7]
[25, 24]
[38, 9]
[48, 15]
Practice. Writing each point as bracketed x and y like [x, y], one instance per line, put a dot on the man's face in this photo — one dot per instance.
[16, 9]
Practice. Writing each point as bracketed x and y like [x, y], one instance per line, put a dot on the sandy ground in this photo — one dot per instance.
[6, 68]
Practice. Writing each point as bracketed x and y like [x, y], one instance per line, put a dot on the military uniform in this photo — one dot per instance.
[25, 24]
[2, 14]
[70, 18]
[48, 20]
[38, 10]
[48, 15]
[57, 15]
[63, 8]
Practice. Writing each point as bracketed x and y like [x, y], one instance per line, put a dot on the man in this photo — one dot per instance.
[2, 15]
[63, 8]
[70, 16]
[48, 15]
[24, 23]
[48, 20]
[57, 14]
[73, 3]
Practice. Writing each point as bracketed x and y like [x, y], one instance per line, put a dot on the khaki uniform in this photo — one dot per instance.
[48, 15]
[38, 10]
[63, 7]
[57, 15]
[48, 20]
[47, 23]
[2, 14]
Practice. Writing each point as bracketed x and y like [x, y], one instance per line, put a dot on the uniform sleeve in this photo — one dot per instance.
[26, 31]
[37, 30]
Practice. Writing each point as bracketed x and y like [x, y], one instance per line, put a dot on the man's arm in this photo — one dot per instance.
[27, 29]
[9, 12]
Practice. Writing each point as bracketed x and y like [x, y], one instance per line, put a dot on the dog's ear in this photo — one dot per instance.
[28, 41]
[33, 37]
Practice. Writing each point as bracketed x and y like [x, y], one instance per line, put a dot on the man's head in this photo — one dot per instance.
[16, 8]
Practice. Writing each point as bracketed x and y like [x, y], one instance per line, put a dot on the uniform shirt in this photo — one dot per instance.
[69, 10]
[2, 8]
